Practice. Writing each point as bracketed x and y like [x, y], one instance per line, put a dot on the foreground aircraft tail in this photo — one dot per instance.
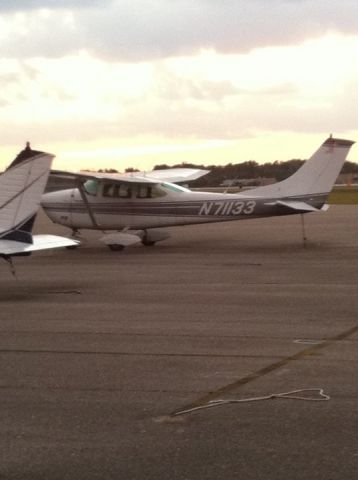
[21, 188]
[317, 175]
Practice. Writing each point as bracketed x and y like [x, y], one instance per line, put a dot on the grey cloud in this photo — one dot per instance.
[50, 38]
[23, 5]
[11, 84]
[7, 79]
[245, 113]
[4, 102]
[244, 117]
[196, 123]
[172, 87]
[132, 30]
[19, 87]
[266, 109]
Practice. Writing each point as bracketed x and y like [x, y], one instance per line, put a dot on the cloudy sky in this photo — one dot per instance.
[119, 83]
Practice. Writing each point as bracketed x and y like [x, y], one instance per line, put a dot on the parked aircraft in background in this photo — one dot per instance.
[21, 188]
[135, 205]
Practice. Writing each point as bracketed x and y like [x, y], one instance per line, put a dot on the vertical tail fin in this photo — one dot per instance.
[21, 188]
[316, 176]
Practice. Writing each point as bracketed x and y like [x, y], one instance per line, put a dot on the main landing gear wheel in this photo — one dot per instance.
[115, 247]
[147, 243]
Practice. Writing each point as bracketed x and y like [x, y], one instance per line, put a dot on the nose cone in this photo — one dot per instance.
[60, 196]
[57, 206]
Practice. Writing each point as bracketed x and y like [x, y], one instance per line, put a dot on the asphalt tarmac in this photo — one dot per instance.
[100, 350]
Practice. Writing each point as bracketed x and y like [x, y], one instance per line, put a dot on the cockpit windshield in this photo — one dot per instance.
[174, 187]
[91, 186]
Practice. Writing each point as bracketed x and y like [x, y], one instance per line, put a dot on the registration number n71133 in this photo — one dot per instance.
[223, 208]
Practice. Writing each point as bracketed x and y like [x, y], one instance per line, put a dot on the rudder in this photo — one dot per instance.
[21, 187]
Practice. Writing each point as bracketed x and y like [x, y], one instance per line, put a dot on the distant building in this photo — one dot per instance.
[347, 179]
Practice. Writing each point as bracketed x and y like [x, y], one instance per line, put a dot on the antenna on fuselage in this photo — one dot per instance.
[231, 184]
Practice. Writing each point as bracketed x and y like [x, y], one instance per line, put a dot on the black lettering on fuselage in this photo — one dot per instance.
[227, 208]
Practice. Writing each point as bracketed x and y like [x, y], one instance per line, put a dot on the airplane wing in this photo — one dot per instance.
[40, 242]
[136, 177]
[172, 175]
[176, 175]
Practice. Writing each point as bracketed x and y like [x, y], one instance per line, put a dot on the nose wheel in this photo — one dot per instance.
[75, 233]
[146, 240]
[147, 243]
[115, 247]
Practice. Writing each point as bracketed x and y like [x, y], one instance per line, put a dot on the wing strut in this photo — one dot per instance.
[87, 203]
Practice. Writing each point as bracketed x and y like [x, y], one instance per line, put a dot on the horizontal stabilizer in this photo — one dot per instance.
[299, 207]
[40, 242]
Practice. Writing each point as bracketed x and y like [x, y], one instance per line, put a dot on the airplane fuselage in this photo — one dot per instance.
[137, 203]
[169, 205]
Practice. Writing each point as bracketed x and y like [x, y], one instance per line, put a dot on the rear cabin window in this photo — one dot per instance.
[144, 191]
[149, 191]
[125, 190]
[117, 190]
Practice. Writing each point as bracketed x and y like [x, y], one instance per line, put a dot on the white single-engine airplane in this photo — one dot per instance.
[138, 203]
[21, 188]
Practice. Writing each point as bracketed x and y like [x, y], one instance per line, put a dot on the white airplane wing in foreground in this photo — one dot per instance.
[40, 242]
[21, 188]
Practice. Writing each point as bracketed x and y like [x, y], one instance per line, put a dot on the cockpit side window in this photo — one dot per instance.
[150, 191]
[124, 190]
[91, 187]
[108, 190]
